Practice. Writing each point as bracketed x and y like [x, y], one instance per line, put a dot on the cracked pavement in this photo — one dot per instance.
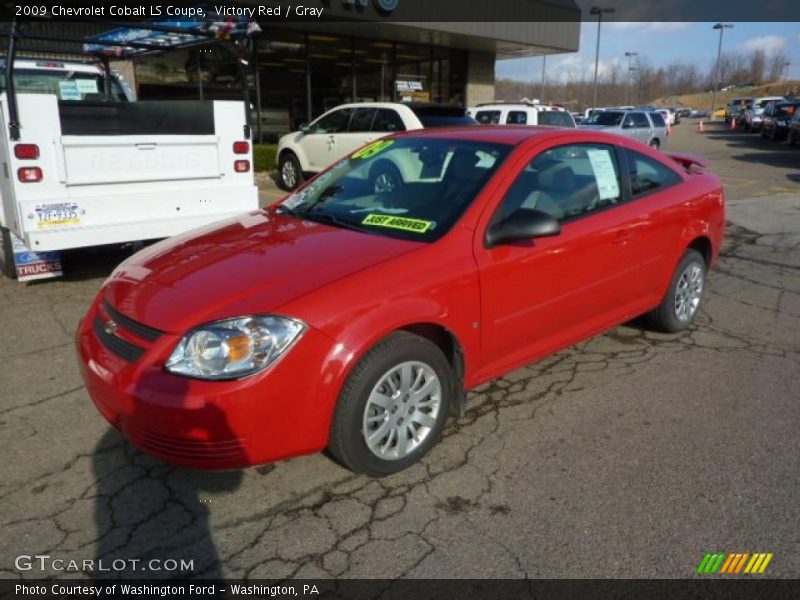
[629, 455]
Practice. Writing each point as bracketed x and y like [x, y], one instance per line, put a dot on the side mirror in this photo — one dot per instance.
[627, 125]
[304, 128]
[522, 224]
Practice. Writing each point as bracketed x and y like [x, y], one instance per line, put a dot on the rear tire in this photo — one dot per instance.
[290, 175]
[7, 266]
[377, 403]
[681, 305]
[655, 144]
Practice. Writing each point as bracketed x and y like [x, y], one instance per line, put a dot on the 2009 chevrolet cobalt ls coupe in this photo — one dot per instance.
[353, 316]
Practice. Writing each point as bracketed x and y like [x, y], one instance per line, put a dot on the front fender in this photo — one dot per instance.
[291, 143]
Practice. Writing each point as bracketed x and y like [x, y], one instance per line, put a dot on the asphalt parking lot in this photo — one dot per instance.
[630, 455]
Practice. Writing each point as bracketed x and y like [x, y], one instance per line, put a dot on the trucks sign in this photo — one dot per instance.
[34, 265]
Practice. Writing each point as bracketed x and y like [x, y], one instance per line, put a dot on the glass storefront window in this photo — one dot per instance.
[344, 69]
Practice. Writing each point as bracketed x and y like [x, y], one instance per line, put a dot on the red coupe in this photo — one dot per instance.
[355, 314]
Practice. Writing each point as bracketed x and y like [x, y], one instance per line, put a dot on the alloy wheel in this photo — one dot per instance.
[688, 292]
[289, 174]
[402, 410]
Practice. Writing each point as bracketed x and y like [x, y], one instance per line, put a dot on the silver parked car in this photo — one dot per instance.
[754, 114]
[660, 129]
[634, 124]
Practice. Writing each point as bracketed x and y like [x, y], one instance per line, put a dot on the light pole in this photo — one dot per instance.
[599, 11]
[722, 27]
[629, 56]
[544, 66]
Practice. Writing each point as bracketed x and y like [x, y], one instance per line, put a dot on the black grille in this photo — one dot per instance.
[118, 346]
[143, 331]
[230, 449]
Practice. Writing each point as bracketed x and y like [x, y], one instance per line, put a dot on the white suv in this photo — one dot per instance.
[344, 129]
[522, 113]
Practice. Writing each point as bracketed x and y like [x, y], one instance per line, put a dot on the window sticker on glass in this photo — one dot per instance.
[485, 160]
[87, 86]
[402, 223]
[372, 149]
[68, 90]
[604, 173]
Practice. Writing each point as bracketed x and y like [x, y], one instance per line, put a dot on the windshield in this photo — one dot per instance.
[607, 118]
[409, 188]
[65, 84]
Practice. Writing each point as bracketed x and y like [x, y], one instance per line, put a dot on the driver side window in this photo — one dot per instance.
[336, 122]
[566, 182]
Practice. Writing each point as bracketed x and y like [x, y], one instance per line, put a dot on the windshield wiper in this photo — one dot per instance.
[331, 219]
[286, 210]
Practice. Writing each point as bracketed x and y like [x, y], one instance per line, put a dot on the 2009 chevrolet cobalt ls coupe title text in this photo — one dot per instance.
[355, 319]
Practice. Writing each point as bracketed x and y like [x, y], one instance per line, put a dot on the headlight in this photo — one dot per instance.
[233, 348]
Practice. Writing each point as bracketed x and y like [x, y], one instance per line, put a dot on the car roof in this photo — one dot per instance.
[502, 134]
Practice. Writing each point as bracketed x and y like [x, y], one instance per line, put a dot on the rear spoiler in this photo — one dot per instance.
[687, 161]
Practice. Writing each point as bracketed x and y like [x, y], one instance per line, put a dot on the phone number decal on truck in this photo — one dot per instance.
[57, 214]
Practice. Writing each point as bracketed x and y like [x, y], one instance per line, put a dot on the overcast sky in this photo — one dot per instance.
[662, 43]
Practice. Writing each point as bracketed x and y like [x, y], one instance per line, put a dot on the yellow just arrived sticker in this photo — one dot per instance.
[402, 223]
[372, 149]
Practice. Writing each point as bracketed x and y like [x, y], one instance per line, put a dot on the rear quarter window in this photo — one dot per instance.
[648, 175]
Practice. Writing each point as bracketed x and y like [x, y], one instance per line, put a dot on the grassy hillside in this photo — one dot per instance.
[703, 101]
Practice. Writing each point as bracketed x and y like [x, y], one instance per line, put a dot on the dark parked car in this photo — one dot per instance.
[777, 115]
[794, 129]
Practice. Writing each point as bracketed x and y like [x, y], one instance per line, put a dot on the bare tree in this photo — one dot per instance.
[572, 85]
[758, 64]
[776, 65]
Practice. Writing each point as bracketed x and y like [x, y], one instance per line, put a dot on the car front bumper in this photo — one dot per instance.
[280, 412]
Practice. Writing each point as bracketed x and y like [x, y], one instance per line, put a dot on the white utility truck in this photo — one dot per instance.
[84, 164]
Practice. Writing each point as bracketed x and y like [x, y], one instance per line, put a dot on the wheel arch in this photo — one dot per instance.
[438, 334]
[449, 344]
[298, 155]
[702, 243]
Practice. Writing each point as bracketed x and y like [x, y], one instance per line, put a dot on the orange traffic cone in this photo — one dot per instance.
[700, 128]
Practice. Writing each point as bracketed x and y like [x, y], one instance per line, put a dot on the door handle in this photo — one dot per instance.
[146, 146]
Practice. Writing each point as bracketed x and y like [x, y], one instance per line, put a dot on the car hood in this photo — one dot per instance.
[252, 264]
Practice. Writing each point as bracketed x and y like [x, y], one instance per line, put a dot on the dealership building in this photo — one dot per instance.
[359, 53]
[300, 70]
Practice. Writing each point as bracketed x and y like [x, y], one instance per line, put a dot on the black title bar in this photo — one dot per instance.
[511, 11]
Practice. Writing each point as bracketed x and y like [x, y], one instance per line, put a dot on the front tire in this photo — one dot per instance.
[290, 175]
[393, 407]
[680, 306]
[385, 177]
